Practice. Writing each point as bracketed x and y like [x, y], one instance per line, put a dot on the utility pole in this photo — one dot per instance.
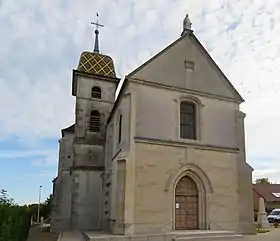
[39, 201]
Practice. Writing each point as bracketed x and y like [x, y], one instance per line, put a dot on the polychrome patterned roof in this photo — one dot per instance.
[97, 64]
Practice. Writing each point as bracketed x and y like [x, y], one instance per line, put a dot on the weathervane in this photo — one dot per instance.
[97, 24]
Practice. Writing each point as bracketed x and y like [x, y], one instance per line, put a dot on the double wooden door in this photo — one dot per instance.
[186, 205]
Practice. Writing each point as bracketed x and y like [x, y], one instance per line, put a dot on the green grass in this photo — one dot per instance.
[262, 230]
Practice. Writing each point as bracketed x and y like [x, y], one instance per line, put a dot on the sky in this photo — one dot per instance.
[40, 44]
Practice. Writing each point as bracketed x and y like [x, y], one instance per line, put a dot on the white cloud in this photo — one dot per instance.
[23, 154]
[273, 175]
[41, 41]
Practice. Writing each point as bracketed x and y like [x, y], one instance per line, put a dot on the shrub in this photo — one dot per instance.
[14, 220]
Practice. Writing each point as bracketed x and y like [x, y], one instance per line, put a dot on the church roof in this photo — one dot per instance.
[95, 63]
[269, 192]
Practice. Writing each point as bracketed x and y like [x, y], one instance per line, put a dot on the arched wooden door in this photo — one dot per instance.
[186, 205]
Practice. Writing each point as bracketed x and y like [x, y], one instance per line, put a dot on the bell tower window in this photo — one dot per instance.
[94, 121]
[96, 92]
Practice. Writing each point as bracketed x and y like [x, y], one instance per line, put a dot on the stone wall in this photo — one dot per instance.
[89, 153]
[87, 197]
[61, 213]
[156, 170]
[158, 116]
[65, 152]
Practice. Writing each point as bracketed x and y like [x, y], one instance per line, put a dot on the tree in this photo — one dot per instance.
[263, 180]
[14, 219]
[4, 197]
[33, 210]
[47, 207]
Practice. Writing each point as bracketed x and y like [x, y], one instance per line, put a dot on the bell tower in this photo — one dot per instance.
[94, 84]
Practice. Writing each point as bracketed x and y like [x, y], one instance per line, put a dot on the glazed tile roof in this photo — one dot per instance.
[96, 64]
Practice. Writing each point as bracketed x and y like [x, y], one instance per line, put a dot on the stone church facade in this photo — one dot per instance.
[167, 154]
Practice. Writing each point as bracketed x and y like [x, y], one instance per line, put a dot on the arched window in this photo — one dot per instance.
[94, 121]
[96, 92]
[187, 120]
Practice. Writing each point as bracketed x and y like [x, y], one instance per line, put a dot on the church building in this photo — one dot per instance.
[167, 154]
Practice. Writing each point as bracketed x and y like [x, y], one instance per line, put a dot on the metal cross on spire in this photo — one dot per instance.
[97, 24]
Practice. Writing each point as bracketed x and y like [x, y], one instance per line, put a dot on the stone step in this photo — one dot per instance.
[169, 236]
[71, 236]
[209, 237]
[206, 235]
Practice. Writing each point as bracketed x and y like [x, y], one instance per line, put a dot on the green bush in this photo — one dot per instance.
[14, 223]
[14, 220]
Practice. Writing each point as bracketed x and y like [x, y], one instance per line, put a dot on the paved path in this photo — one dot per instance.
[72, 236]
[36, 235]
[273, 235]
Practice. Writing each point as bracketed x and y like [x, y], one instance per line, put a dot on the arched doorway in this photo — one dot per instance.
[186, 205]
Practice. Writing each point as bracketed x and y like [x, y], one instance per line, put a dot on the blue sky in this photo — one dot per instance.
[40, 44]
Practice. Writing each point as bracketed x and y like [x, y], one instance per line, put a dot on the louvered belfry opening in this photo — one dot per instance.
[96, 92]
[94, 122]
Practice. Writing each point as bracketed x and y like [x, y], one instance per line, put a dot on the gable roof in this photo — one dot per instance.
[267, 190]
[191, 35]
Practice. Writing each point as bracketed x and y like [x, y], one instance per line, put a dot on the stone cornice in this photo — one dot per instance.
[193, 144]
[193, 92]
[77, 73]
[96, 100]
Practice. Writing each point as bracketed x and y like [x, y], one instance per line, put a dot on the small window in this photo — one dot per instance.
[187, 120]
[120, 129]
[96, 92]
[94, 121]
[189, 65]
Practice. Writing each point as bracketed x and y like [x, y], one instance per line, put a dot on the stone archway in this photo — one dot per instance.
[186, 205]
[203, 185]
